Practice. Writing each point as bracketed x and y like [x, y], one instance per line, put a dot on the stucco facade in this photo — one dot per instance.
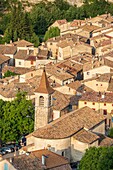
[99, 70]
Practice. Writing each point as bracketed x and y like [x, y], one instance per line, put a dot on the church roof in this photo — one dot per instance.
[70, 124]
[44, 86]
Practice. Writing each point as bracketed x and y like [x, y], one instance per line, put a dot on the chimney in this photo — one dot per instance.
[27, 51]
[103, 96]
[18, 39]
[10, 41]
[43, 160]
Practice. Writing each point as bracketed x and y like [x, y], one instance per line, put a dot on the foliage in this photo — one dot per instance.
[17, 23]
[17, 118]
[9, 74]
[110, 133]
[97, 158]
[52, 32]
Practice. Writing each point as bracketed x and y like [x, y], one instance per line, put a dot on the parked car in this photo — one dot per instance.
[3, 151]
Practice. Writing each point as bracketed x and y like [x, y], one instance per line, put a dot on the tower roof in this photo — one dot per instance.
[44, 86]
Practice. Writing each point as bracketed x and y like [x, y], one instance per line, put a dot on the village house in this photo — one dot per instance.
[63, 135]
[101, 82]
[4, 60]
[39, 159]
[63, 25]
[105, 20]
[101, 102]
[58, 75]
[8, 51]
[91, 70]
[87, 30]
[52, 43]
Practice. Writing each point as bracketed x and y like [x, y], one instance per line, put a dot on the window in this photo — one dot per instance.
[51, 43]
[96, 84]
[112, 119]
[31, 74]
[101, 84]
[63, 153]
[41, 101]
[93, 103]
[6, 166]
[19, 63]
[32, 62]
[49, 100]
[112, 104]
[85, 102]
[104, 112]
[88, 73]
[104, 104]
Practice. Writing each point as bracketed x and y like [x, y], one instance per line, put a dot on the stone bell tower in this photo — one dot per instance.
[43, 103]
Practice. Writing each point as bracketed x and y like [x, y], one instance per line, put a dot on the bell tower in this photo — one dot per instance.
[43, 103]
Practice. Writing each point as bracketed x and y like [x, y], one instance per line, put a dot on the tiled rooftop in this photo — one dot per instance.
[65, 126]
[97, 97]
[86, 136]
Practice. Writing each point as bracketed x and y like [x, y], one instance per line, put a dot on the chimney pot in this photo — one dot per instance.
[43, 160]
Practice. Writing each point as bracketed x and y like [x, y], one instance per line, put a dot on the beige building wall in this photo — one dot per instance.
[10, 167]
[81, 48]
[56, 145]
[100, 128]
[64, 53]
[66, 90]
[99, 70]
[56, 114]
[101, 108]
[29, 64]
[19, 63]
[98, 106]
[29, 75]
[96, 85]
[53, 47]
[77, 149]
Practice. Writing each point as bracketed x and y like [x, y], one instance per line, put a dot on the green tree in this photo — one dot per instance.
[52, 32]
[97, 159]
[17, 118]
[9, 74]
[110, 133]
[35, 40]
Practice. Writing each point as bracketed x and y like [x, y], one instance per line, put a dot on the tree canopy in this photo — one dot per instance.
[9, 74]
[18, 23]
[52, 32]
[16, 118]
[97, 159]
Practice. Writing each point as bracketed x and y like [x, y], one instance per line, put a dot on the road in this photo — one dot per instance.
[10, 155]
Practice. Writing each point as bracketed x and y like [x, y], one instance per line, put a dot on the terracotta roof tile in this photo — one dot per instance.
[97, 97]
[61, 22]
[3, 58]
[22, 43]
[33, 161]
[86, 136]
[44, 86]
[65, 126]
[105, 141]
[5, 49]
